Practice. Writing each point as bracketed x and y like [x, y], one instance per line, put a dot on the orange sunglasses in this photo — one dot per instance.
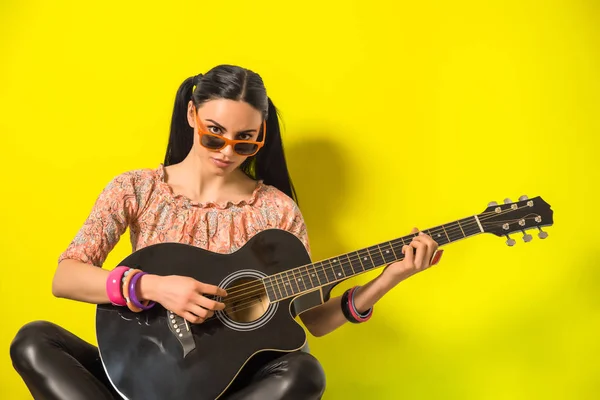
[215, 142]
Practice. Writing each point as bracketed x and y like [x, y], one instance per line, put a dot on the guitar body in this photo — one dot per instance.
[157, 355]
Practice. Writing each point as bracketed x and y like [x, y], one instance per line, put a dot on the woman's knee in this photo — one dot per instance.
[306, 375]
[29, 341]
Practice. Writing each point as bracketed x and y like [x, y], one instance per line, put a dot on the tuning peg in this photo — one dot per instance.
[492, 203]
[523, 198]
[510, 242]
[542, 234]
[527, 237]
[507, 200]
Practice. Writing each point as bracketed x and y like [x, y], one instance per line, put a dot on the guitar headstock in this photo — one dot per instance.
[511, 217]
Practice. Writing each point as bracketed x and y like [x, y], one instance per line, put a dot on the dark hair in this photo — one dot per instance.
[233, 83]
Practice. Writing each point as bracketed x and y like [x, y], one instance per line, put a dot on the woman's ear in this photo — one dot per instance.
[191, 114]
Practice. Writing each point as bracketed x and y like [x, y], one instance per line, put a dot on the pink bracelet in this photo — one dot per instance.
[113, 286]
[354, 312]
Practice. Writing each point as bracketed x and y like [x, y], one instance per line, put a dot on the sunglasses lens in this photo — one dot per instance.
[212, 142]
[245, 148]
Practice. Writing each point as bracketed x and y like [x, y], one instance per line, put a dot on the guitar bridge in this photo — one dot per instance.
[181, 329]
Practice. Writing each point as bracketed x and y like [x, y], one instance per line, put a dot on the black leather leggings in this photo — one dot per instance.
[57, 365]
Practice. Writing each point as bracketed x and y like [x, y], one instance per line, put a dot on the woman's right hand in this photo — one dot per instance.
[182, 295]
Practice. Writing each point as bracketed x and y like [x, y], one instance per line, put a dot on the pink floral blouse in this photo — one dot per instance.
[142, 201]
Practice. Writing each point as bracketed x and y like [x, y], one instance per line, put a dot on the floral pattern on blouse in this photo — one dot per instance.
[142, 201]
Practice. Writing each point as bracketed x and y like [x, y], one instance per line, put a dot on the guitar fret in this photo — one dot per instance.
[270, 289]
[448, 237]
[293, 285]
[454, 232]
[329, 272]
[376, 255]
[347, 264]
[461, 229]
[279, 286]
[306, 277]
[286, 284]
[470, 226]
[338, 269]
[437, 235]
[297, 279]
[321, 273]
[350, 264]
[365, 259]
[387, 253]
[312, 276]
[354, 259]
[300, 279]
[394, 251]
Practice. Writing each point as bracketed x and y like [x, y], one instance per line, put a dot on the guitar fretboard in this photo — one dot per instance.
[307, 277]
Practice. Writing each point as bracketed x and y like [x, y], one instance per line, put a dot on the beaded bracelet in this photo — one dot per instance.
[349, 308]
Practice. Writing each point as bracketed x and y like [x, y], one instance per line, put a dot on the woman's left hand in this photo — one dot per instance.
[418, 256]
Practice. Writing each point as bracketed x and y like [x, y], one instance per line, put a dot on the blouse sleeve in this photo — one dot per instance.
[113, 211]
[293, 221]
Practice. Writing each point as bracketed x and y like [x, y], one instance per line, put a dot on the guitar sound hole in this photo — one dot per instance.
[246, 300]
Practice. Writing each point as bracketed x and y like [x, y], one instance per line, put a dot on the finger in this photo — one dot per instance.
[432, 245]
[205, 288]
[208, 303]
[414, 230]
[429, 242]
[421, 254]
[197, 310]
[408, 254]
[425, 238]
[194, 319]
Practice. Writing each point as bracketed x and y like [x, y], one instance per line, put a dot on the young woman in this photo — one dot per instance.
[213, 193]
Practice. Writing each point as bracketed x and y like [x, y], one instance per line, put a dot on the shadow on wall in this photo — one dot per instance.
[319, 173]
[319, 169]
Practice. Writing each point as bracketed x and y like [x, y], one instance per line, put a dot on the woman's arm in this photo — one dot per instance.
[329, 316]
[76, 280]
[79, 275]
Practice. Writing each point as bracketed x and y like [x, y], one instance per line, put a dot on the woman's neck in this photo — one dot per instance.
[190, 179]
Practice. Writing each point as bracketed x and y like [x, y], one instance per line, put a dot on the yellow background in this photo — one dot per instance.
[396, 115]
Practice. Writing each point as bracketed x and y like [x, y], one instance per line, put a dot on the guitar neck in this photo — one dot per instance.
[309, 277]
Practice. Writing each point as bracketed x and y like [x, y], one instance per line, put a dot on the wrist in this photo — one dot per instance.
[360, 300]
[389, 279]
[148, 287]
[351, 310]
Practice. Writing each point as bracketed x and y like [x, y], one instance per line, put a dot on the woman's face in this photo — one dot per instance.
[236, 120]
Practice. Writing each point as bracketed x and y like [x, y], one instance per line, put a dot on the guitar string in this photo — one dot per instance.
[259, 286]
[392, 243]
[348, 262]
[253, 300]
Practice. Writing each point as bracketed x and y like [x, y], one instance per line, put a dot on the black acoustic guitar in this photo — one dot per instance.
[156, 354]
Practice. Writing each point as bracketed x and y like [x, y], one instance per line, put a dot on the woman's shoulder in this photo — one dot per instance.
[135, 181]
[140, 176]
[273, 196]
